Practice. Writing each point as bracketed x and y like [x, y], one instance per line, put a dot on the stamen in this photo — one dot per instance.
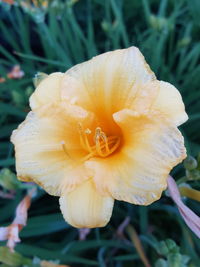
[98, 147]
[83, 138]
[64, 148]
[97, 133]
[105, 140]
[100, 135]
[89, 156]
[116, 144]
[104, 146]
[88, 131]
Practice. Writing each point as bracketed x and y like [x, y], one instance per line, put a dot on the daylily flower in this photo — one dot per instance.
[104, 130]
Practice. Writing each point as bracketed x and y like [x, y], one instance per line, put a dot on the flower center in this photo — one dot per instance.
[103, 146]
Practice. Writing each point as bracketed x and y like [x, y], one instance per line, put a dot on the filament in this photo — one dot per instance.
[64, 148]
[103, 145]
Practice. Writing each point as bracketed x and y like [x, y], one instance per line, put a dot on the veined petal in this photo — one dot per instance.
[48, 91]
[108, 82]
[169, 102]
[138, 172]
[84, 207]
[47, 148]
[121, 79]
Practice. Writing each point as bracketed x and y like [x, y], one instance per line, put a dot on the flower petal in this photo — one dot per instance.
[169, 102]
[121, 79]
[108, 82]
[40, 156]
[48, 91]
[138, 172]
[190, 218]
[85, 207]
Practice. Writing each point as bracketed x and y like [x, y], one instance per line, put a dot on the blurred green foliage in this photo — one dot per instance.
[51, 36]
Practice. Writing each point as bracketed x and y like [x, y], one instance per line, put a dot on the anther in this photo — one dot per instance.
[88, 131]
[100, 135]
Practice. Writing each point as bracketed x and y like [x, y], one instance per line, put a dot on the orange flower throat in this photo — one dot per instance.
[103, 146]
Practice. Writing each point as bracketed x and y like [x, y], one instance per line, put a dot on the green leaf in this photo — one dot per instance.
[8, 180]
[13, 259]
[11, 110]
[43, 225]
[30, 251]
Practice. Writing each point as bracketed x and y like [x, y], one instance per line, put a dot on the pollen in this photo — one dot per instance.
[102, 146]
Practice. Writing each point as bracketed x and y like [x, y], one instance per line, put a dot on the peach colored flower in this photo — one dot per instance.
[104, 130]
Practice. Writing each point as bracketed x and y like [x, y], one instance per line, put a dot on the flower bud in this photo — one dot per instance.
[190, 163]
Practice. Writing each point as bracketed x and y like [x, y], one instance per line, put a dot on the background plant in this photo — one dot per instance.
[49, 36]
